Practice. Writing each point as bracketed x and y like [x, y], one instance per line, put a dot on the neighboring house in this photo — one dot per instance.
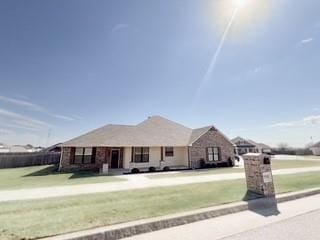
[155, 143]
[19, 149]
[248, 146]
[24, 149]
[244, 146]
[38, 149]
[54, 148]
[4, 148]
[316, 149]
[261, 147]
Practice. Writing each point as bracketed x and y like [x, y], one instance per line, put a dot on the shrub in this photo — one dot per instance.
[135, 170]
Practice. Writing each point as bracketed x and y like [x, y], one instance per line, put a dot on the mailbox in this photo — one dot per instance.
[259, 174]
[266, 160]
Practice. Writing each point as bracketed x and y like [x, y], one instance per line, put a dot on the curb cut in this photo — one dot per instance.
[119, 231]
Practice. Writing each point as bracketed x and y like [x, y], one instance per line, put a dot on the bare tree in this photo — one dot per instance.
[283, 146]
[309, 145]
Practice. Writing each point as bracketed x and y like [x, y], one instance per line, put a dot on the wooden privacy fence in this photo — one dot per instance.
[14, 160]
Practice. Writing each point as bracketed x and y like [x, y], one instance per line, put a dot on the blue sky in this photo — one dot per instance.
[67, 67]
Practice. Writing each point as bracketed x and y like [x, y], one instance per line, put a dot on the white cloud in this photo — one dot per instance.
[257, 69]
[34, 107]
[313, 120]
[77, 117]
[120, 26]
[316, 109]
[308, 40]
[20, 120]
[62, 117]
[16, 126]
[22, 103]
[6, 131]
[12, 138]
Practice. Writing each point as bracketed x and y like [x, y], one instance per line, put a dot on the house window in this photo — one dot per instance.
[213, 154]
[78, 155]
[141, 154]
[87, 156]
[84, 155]
[169, 152]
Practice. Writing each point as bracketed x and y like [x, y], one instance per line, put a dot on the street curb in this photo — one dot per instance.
[129, 229]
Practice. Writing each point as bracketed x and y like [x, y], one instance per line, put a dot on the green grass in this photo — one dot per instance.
[32, 219]
[276, 164]
[46, 176]
[190, 173]
[282, 164]
[299, 157]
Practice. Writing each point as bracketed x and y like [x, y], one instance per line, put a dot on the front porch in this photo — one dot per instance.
[91, 158]
[123, 158]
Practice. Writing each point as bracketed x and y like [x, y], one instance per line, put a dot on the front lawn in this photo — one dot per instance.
[46, 176]
[33, 219]
[282, 164]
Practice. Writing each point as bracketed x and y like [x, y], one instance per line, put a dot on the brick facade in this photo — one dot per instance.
[103, 155]
[212, 138]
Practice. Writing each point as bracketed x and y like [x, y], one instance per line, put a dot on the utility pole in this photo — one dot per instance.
[48, 137]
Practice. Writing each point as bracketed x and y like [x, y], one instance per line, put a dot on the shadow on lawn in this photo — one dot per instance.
[53, 170]
[50, 170]
[265, 206]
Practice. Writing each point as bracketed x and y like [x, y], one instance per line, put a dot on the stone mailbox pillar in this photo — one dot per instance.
[259, 174]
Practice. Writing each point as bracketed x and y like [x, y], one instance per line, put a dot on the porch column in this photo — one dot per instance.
[161, 149]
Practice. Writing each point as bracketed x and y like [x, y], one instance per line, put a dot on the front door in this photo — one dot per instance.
[115, 154]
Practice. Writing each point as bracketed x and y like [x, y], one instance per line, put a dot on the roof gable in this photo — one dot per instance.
[154, 131]
[197, 133]
[241, 142]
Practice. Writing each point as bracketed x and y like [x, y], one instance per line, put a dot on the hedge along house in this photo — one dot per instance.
[155, 143]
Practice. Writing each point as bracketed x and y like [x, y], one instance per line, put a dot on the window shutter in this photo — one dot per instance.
[207, 154]
[72, 155]
[161, 153]
[93, 156]
[132, 153]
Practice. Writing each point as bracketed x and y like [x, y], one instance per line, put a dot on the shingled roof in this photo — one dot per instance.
[241, 142]
[155, 131]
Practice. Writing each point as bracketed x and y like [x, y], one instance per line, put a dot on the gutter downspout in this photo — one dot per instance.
[60, 162]
[189, 164]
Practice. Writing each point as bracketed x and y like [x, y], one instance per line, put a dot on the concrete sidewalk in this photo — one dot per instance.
[228, 226]
[138, 181]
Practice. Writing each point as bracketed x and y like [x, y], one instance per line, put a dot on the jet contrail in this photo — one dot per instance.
[215, 56]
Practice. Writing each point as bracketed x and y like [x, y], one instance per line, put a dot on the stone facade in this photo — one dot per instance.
[103, 155]
[259, 174]
[198, 150]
